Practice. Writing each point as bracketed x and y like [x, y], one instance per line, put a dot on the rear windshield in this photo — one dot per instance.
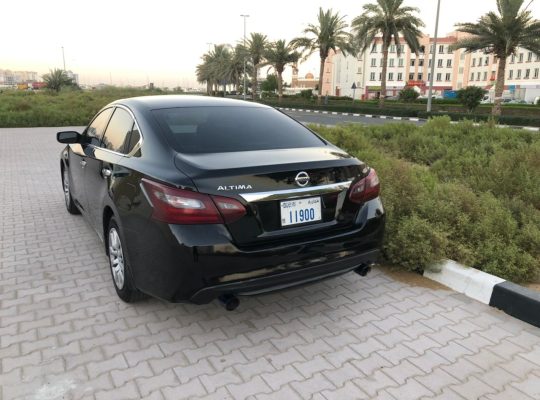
[226, 129]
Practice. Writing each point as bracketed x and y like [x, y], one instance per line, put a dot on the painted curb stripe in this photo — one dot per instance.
[517, 301]
[514, 300]
[528, 128]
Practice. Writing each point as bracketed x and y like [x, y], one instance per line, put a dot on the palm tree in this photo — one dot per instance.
[204, 75]
[328, 34]
[237, 65]
[221, 65]
[216, 68]
[56, 79]
[389, 19]
[501, 34]
[256, 46]
[278, 55]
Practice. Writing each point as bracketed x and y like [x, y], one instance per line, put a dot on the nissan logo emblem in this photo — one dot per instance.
[302, 179]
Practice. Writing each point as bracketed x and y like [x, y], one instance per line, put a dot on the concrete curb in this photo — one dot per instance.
[413, 119]
[515, 300]
[352, 114]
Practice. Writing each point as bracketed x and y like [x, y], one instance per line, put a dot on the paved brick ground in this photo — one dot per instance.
[64, 334]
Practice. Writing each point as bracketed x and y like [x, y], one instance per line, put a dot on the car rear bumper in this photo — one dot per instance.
[285, 279]
[198, 263]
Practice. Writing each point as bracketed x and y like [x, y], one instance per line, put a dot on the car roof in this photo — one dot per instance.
[173, 101]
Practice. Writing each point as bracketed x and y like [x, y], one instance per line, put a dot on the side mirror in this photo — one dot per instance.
[68, 137]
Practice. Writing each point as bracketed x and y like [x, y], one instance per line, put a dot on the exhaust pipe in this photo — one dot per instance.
[364, 269]
[229, 301]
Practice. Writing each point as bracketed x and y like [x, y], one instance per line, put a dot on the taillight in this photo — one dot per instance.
[366, 188]
[231, 209]
[179, 206]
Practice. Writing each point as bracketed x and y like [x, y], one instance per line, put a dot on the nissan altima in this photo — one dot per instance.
[198, 198]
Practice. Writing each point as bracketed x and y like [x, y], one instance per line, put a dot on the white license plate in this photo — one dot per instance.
[302, 211]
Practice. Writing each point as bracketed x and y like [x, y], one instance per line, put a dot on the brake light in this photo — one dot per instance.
[179, 206]
[366, 188]
[231, 209]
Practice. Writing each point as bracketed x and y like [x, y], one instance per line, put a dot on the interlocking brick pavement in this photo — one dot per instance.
[65, 335]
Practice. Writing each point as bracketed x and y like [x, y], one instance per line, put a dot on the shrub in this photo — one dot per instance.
[306, 94]
[471, 97]
[503, 119]
[415, 243]
[408, 95]
[465, 192]
[68, 107]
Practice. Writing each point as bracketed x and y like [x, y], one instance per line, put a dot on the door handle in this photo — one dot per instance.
[83, 163]
[105, 173]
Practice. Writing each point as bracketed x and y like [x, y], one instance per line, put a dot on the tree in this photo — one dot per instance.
[216, 68]
[389, 19]
[256, 47]
[236, 66]
[270, 84]
[328, 34]
[408, 95]
[204, 75]
[501, 33]
[471, 97]
[56, 79]
[278, 54]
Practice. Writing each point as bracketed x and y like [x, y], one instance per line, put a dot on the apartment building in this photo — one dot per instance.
[522, 80]
[405, 68]
[8, 77]
[453, 70]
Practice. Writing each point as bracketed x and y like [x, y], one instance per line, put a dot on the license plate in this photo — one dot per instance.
[301, 211]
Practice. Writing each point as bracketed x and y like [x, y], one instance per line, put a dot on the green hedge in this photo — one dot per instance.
[408, 110]
[503, 119]
[462, 192]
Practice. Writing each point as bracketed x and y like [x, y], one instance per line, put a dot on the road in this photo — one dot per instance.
[65, 334]
[338, 118]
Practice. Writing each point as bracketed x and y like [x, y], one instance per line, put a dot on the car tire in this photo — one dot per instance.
[120, 271]
[68, 198]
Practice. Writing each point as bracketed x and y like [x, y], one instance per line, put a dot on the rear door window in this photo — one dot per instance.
[118, 133]
[94, 132]
[228, 129]
[132, 140]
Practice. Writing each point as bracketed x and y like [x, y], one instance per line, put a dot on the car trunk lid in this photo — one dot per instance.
[262, 180]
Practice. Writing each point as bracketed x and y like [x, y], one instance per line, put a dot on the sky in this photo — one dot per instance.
[135, 42]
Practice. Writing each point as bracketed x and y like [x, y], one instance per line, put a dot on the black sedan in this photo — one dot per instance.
[197, 198]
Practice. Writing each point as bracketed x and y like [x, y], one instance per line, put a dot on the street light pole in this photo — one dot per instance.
[433, 58]
[245, 89]
[63, 58]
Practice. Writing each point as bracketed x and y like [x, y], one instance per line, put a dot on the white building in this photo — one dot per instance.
[453, 70]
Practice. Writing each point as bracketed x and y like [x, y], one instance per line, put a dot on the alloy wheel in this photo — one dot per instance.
[116, 257]
[67, 195]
